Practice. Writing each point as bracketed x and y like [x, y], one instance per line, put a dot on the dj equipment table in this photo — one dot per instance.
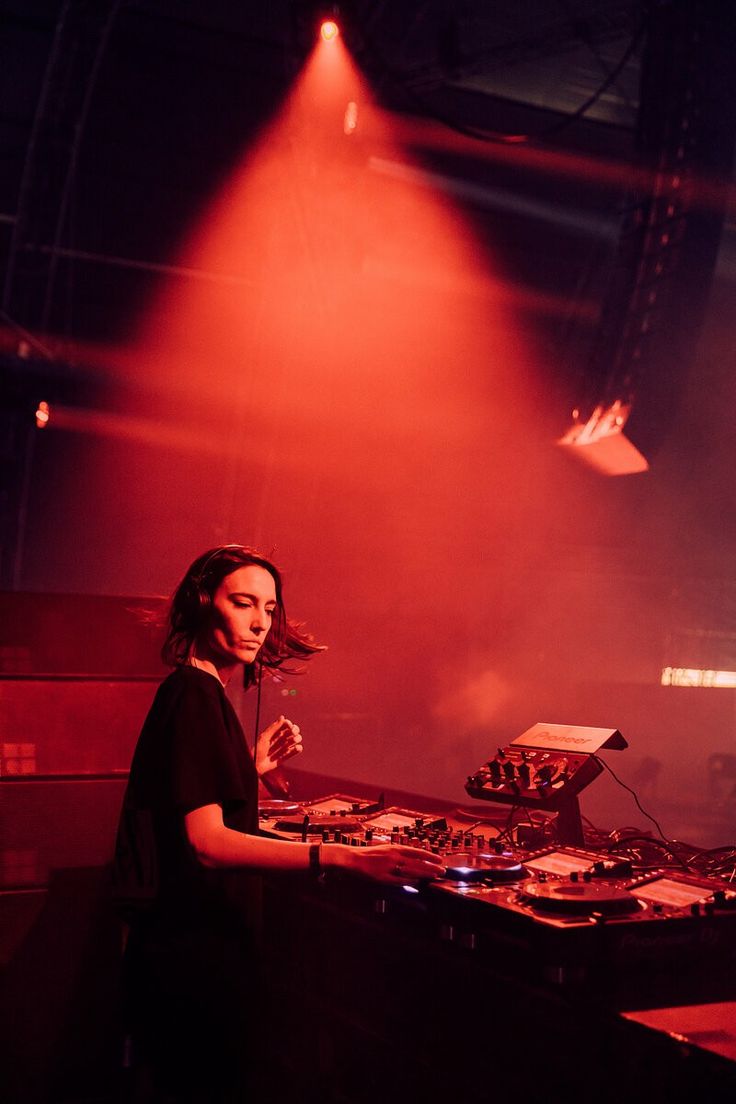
[510, 975]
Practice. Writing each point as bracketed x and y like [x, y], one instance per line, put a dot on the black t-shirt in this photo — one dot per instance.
[191, 752]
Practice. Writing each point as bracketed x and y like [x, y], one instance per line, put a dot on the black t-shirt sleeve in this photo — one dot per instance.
[203, 749]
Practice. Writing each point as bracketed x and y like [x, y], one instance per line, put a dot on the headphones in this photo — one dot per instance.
[196, 592]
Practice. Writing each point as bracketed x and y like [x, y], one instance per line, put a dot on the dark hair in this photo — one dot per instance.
[191, 607]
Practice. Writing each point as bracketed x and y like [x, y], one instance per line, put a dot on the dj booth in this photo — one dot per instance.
[548, 964]
[553, 973]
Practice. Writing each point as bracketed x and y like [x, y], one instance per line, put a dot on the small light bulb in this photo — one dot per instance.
[329, 30]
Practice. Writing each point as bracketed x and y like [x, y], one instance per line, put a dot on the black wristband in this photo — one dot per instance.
[315, 865]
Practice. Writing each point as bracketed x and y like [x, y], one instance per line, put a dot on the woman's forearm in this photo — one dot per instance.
[216, 845]
[220, 847]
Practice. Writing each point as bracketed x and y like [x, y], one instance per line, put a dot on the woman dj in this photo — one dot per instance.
[188, 842]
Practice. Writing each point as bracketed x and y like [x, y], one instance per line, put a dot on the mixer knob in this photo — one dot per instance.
[719, 898]
[587, 876]
[574, 876]
[368, 835]
[498, 847]
[524, 773]
[495, 768]
[508, 769]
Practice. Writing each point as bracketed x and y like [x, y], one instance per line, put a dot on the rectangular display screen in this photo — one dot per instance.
[391, 820]
[557, 862]
[338, 805]
[665, 891]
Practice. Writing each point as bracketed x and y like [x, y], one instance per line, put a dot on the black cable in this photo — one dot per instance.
[664, 844]
[489, 136]
[716, 862]
[508, 827]
[258, 711]
[639, 806]
[595, 96]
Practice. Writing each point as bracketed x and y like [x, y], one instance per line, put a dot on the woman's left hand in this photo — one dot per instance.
[277, 743]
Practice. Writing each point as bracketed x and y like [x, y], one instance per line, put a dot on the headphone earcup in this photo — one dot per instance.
[196, 600]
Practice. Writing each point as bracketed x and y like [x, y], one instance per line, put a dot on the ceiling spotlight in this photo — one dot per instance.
[601, 442]
[329, 30]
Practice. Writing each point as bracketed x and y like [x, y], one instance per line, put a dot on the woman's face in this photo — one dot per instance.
[242, 610]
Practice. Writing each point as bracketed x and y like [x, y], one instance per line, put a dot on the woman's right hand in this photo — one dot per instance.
[384, 862]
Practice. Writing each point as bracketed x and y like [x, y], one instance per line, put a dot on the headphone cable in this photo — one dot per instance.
[258, 710]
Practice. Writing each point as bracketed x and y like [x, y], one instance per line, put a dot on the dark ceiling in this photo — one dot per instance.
[119, 118]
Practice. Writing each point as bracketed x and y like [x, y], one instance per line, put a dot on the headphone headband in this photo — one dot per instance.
[212, 556]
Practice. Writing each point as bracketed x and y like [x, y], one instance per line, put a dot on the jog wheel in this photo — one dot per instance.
[482, 867]
[580, 898]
